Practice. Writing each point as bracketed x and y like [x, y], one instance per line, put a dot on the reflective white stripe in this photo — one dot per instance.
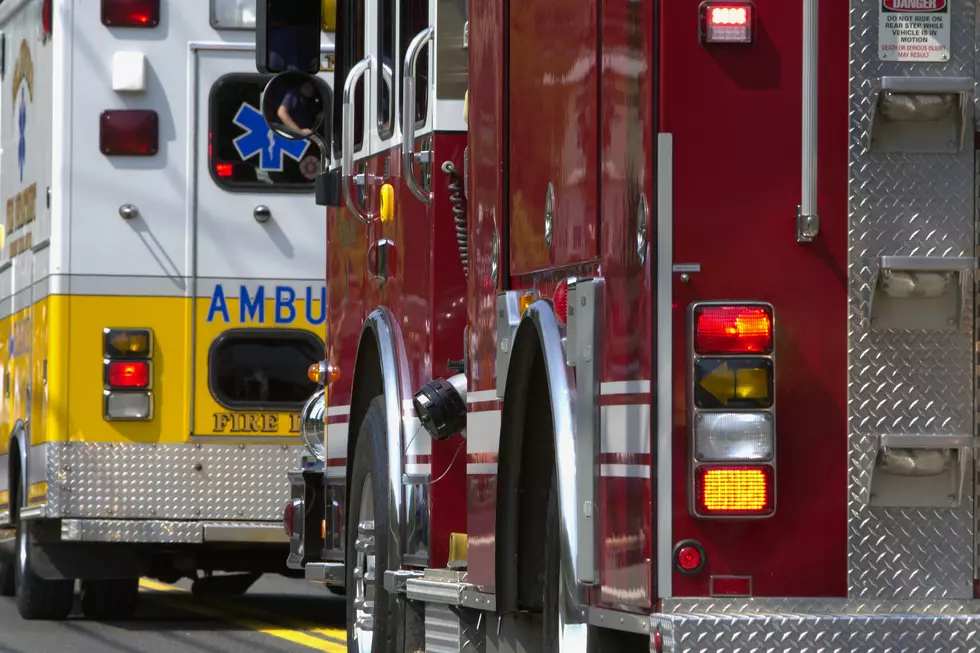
[624, 387]
[483, 432]
[335, 411]
[419, 469]
[481, 396]
[337, 440]
[625, 471]
[626, 429]
[418, 442]
[481, 468]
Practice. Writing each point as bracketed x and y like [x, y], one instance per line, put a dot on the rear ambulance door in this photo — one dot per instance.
[259, 259]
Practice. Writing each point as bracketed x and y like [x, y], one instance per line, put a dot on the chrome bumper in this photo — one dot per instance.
[798, 625]
[171, 532]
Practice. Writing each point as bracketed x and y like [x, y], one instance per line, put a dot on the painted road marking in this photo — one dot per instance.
[334, 642]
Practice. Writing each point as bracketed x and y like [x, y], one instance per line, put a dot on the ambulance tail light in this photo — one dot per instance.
[732, 406]
[127, 374]
[131, 13]
[129, 132]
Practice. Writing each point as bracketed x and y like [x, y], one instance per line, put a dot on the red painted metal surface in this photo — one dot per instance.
[735, 115]
[425, 294]
[553, 97]
[486, 216]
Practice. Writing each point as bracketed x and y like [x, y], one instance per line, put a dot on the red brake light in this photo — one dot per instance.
[727, 22]
[224, 169]
[131, 13]
[733, 330]
[734, 491]
[129, 374]
[560, 301]
[129, 132]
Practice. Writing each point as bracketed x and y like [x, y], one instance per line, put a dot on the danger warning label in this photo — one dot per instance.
[913, 30]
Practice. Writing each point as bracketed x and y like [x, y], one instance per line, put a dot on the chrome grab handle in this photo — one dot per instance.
[347, 144]
[408, 113]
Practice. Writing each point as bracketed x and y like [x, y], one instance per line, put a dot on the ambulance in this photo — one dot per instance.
[161, 296]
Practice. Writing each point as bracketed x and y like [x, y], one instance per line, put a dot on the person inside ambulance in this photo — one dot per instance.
[300, 109]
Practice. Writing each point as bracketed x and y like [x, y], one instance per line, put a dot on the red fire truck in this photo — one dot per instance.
[659, 336]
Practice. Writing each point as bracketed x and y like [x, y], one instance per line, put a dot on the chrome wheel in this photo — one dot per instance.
[364, 571]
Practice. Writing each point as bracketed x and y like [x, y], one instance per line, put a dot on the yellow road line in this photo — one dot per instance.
[263, 627]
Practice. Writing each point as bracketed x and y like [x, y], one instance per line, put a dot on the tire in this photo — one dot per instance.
[369, 470]
[38, 598]
[552, 570]
[7, 586]
[112, 599]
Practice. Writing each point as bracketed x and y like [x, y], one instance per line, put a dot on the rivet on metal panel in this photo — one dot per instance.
[128, 212]
[549, 213]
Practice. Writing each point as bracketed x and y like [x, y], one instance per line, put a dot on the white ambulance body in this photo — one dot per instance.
[161, 289]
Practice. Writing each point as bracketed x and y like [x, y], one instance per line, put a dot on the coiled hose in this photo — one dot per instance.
[455, 188]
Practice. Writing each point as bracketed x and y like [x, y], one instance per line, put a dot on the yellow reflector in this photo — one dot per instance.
[457, 547]
[734, 490]
[387, 203]
[527, 299]
[323, 529]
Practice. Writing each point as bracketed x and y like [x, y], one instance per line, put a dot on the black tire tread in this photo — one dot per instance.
[39, 598]
[370, 455]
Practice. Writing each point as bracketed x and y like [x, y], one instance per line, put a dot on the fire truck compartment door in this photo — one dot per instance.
[554, 153]
[258, 255]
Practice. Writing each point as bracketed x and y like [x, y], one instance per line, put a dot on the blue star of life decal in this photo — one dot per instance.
[22, 134]
[258, 138]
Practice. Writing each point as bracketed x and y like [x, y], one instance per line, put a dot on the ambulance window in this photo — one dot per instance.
[388, 67]
[263, 369]
[349, 50]
[414, 19]
[240, 159]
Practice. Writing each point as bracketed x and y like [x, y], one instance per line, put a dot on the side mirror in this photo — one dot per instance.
[287, 35]
[296, 105]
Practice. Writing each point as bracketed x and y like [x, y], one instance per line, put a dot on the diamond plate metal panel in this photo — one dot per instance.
[169, 481]
[817, 626]
[121, 530]
[449, 629]
[906, 381]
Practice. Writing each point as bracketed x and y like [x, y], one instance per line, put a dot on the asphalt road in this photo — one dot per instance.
[277, 615]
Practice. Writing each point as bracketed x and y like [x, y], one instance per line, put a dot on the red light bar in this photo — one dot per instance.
[129, 132]
[731, 329]
[129, 374]
[131, 13]
[224, 169]
[727, 22]
[733, 491]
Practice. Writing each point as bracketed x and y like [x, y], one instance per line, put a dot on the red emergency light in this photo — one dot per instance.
[131, 13]
[46, 14]
[224, 170]
[560, 301]
[727, 22]
[128, 374]
[732, 329]
[132, 132]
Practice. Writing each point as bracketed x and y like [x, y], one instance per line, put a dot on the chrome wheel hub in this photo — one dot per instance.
[364, 571]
